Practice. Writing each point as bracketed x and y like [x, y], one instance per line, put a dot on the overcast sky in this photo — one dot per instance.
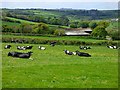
[56, 4]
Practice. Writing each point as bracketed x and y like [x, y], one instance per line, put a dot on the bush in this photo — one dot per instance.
[41, 28]
[59, 32]
[83, 24]
[104, 24]
[93, 25]
[99, 32]
[59, 42]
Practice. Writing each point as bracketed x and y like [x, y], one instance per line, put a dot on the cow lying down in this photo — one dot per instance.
[77, 53]
[20, 54]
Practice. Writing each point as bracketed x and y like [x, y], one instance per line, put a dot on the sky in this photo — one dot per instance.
[57, 4]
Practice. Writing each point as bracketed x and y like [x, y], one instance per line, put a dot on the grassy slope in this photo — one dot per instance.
[53, 69]
[10, 23]
[23, 21]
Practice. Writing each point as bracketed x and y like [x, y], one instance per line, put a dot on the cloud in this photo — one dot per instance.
[60, 1]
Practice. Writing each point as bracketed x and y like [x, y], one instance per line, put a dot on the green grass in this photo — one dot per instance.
[47, 13]
[9, 23]
[53, 69]
[22, 21]
[112, 26]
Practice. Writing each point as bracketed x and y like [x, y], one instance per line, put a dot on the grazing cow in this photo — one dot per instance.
[41, 48]
[85, 47]
[112, 47]
[21, 48]
[20, 54]
[7, 47]
[68, 52]
[53, 43]
[82, 54]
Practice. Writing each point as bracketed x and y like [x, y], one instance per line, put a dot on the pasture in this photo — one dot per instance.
[51, 68]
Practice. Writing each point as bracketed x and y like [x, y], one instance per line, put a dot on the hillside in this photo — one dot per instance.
[71, 14]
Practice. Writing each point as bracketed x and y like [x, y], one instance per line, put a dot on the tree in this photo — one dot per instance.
[93, 25]
[99, 32]
[83, 24]
[26, 28]
[41, 28]
[6, 28]
[59, 32]
[103, 23]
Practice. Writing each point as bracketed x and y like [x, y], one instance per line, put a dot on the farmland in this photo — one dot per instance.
[53, 69]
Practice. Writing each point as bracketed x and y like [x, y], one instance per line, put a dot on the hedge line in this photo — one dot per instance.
[59, 42]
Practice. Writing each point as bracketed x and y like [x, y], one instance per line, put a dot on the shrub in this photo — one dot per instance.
[93, 25]
[99, 32]
[59, 32]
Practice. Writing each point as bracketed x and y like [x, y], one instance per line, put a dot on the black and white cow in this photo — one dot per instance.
[28, 47]
[85, 47]
[53, 43]
[21, 47]
[68, 52]
[7, 47]
[24, 47]
[112, 47]
[41, 48]
[82, 54]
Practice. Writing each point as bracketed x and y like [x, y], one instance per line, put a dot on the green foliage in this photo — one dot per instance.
[83, 24]
[6, 28]
[25, 28]
[41, 28]
[115, 34]
[59, 32]
[105, 24]
[73, 25]
[113, 31]
[92, 25]
[64, 40]
[99, 32]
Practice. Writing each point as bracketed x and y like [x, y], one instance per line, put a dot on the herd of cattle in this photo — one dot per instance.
[67, 52]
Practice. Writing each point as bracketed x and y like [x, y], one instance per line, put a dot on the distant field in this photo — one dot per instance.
[53, 69]
[23, 21]
[10, 23]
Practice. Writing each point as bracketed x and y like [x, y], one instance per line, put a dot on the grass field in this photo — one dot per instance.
[53, 69]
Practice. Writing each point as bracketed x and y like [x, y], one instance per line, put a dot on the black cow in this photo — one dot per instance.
[82, 54]
[25, 55]
[53, 43]
[20, 54]
[7, 47]
[14, 54]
